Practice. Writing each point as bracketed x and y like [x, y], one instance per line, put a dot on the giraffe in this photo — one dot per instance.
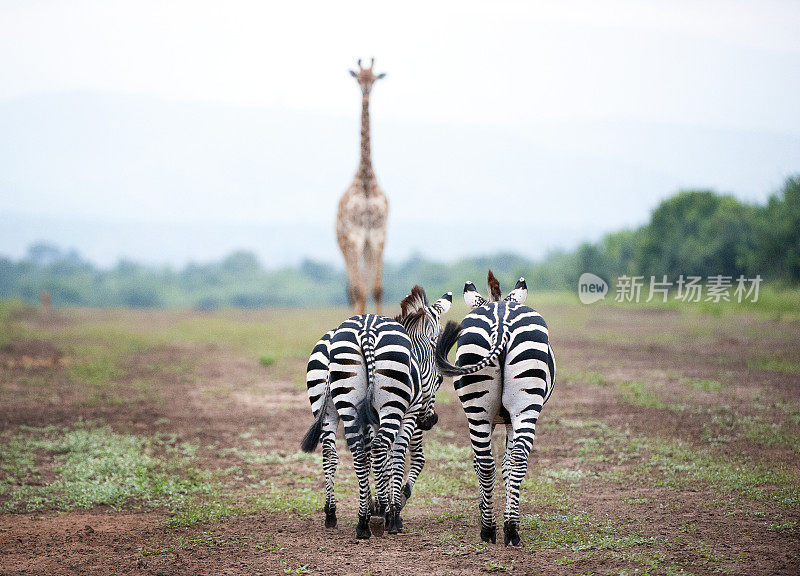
[362, 213]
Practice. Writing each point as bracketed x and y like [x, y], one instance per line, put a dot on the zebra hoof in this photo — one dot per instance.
[489, 534]
[330, 520]
[330, 516]
[362, 528]
[376, 525]
[511, 533]
[392, 517]
[399, 523]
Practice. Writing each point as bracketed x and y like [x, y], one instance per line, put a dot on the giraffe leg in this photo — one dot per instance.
[357, 292]
[374, 255]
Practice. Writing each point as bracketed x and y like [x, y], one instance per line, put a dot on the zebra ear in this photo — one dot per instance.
[471, 296]
[519, 293]
[442, 305]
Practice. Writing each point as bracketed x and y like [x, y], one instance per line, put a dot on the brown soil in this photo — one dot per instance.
[227, 394]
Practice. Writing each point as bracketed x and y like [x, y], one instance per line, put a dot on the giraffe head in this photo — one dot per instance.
[365, 77]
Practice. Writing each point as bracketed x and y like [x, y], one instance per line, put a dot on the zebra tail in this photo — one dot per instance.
[366, 414]
[311, 439]
[448, 338]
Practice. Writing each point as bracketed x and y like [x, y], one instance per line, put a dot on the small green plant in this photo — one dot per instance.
[637, 394]
[787, 526]
[267, 359]
[269, 545]
[704, 385]
[205, 512]
[99, 370]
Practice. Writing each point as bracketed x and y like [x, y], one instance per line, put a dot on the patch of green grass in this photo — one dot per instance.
[638, 394]
[203, 540]
[443, 396]
[8, 327]
[542, 491]
[457, 542]
[430, 487]
[89, 467]
[727, 425]
[677, 464]
[97, 338]
[587, 377]
[299, 502]
[787, 526]
[284, 332]
[774, 365]
[492, 566]
[255, 458]
[267, 359]
[706, 551]
[577, 531]
[637, 500]
[703, 385]
[676, 569]
[571, 475]
[448, 454]
[773, 302]
[205, 512]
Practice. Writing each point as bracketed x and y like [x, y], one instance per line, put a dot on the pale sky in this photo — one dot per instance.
[582, 115]
[465, 61]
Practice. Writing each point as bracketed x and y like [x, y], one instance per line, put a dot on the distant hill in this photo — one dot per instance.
[169, 182]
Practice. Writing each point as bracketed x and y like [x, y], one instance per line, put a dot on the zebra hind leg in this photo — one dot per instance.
[416, 464]
[397, 467]
[484, 467]
[361, 465]
[518, 466]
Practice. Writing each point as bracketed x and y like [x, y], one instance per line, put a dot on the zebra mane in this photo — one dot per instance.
[412, 308]
[494, 288]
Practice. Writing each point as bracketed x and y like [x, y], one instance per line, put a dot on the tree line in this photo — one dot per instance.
[694, 232]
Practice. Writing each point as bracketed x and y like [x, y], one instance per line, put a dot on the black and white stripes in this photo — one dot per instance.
[379, 377]
[504, 374]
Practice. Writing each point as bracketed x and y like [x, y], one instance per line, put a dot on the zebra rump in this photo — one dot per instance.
[447, 340]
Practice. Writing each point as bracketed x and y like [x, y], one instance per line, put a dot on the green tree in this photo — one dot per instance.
[778, 234]
[697, 232]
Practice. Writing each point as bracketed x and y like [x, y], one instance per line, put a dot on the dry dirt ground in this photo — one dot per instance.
[670, 446]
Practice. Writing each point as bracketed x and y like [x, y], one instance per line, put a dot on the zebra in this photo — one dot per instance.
[379, 377]
[505, 372]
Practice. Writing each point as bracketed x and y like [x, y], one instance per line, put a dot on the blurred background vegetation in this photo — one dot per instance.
[694, 232]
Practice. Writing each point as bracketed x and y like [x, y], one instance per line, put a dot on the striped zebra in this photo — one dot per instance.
[504, 373]
[379, 377]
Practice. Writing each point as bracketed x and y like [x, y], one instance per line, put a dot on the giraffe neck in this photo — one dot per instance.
[365, 163]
